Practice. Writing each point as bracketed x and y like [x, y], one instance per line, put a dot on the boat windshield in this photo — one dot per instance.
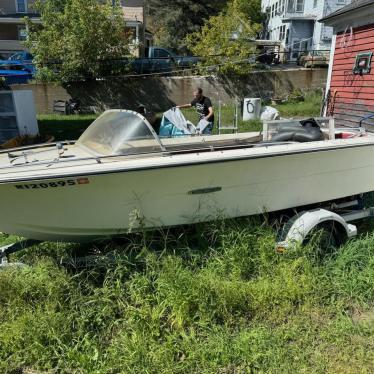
[118, 132]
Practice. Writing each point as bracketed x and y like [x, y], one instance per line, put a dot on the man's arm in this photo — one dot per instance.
[184, 106]
[210, 114]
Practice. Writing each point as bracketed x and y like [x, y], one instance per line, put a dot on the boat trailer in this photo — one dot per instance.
[338, 216]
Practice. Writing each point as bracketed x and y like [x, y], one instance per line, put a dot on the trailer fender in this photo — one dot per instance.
[298, 228]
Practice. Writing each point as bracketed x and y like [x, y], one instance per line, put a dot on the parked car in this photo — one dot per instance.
[21, 56]
[15, 73]
[18, 68]
[312, 59]
[160, 60]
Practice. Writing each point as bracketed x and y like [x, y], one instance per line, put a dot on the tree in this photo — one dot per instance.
[171, 21]
[225, 39]
[76, 38]
[251, 9]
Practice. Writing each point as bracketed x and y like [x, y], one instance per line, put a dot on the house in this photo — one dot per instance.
[135, 19]
[13, 30]
[12, 26]
[350, 88]
[295, 24]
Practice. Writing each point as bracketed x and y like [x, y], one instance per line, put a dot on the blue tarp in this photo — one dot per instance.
[168, 130]
[174, 124]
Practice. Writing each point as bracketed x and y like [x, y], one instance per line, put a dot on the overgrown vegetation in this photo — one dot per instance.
[309, 106]
[210, 299]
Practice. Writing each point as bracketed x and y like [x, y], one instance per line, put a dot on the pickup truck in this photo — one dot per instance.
[162, 60]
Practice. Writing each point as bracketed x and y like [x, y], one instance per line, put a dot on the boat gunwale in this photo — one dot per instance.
[98, 158]
[36, 146]
[184, 164]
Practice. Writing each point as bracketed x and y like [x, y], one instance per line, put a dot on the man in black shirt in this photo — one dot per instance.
[204, 109]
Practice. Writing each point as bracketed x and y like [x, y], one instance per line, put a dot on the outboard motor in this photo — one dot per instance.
[308, 131]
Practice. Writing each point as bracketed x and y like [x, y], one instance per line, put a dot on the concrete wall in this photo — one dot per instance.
[159, 94]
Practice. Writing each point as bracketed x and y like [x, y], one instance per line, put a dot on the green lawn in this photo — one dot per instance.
[64, 127]
[310, 107]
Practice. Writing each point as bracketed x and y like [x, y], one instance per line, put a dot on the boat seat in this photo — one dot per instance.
[307, 131]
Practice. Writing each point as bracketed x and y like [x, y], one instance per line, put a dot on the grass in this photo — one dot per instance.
[209, 299]
[64, 127]
[310, 107]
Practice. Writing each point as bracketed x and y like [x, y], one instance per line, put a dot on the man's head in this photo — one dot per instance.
[198, 93]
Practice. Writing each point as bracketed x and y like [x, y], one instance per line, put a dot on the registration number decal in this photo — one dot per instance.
[63, 183]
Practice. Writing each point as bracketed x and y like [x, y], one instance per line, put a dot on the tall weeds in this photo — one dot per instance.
[211, 298]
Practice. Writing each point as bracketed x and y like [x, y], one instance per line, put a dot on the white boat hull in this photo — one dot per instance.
[104, 205]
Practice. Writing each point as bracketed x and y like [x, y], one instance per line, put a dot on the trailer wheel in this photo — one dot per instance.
[330, 236]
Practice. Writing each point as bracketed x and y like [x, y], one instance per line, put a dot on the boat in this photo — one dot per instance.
[120, 177]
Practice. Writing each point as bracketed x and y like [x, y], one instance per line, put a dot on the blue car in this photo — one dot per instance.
[15, 74]
[18, 68]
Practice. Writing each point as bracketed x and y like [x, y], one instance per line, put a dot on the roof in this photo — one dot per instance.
[356, 4]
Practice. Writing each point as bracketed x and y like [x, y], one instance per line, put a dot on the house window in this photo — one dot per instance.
[291, 5]
[315, 3]
[21, 6]
[299, 5]
[22, 33]
[295, 6]
[282, 33]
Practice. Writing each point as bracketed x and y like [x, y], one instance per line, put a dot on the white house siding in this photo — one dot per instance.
[302, 26]
[274, 22]
[323, 34]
